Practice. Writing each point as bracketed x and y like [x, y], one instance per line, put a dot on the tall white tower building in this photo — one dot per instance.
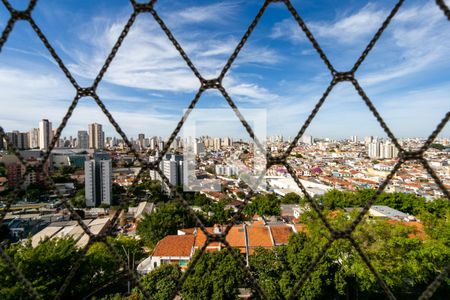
[33, 138]
[45, 134]
[96, 136]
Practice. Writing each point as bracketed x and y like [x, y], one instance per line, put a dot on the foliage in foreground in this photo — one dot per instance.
[47, 265]
[406, 259]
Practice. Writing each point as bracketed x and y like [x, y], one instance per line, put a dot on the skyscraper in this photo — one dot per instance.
[98, 180]
[199, 148]
[217, 143]
[18, 139]
[141, 138]
[45, 134]
[96, 136]
[227, 142]
[382, 150]
[82, 139]
[33, 138]
[173, 169]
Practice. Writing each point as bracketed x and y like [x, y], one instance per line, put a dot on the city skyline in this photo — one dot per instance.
[95, 138]
[149, 85]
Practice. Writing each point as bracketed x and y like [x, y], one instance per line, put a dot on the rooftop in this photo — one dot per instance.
[175, 245]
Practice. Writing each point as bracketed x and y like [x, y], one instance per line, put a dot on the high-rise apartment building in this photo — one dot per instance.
[141, 139]
[18, 139]
[98, 180]
[33, 138]
[171, 166]
[153, 143]
[173, 169]
[227, 142]
[369, 139]
[82, 139]
[373, 150]
[382, 150]
[45, 134]
[96, 136]
[217, 143]
[199, 148]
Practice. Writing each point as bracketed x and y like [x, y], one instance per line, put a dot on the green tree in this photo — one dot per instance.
[201, 199]
[291, 198]
[160, 283]
[98, 268]
[215, 276]
[218, 213]
[268, 266]
[240, 195]
[151, 189]
[127, 245]
[35, 192]
[167, 219]
[45, 266]
[437, 146]
[79, 199]
[263, 205]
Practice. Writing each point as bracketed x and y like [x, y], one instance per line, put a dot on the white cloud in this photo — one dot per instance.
[417, 41]
[38, 95]
[148, 60]
[288, 29]
[352, 28]
[216, 12]
[347, 29]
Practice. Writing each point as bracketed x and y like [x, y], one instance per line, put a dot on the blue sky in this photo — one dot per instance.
[148, 85]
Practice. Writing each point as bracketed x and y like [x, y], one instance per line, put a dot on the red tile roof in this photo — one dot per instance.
[236, 237]
[258, 236]
[281, 234]
[174, 245]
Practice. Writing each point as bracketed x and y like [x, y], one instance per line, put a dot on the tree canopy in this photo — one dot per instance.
[167, 219]
[263, 205]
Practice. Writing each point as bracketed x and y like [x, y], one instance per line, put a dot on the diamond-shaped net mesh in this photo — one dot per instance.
[205, 84]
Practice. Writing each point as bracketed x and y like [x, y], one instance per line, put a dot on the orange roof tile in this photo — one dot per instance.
[281, 234]
[174, 245]
[258, 236]
[201, 238]
[236, 237]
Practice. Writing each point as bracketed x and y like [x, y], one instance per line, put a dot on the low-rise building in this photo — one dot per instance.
[179, 249]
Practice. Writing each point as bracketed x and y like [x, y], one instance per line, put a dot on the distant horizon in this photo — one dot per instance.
[246, 138]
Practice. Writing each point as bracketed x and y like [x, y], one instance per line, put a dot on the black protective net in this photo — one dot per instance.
[206, 84]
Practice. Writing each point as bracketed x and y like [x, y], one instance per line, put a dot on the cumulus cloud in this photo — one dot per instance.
[419, 40]
[215, 12]
[352, 28]
[346, 29]
[288, 29]
[148, 71]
